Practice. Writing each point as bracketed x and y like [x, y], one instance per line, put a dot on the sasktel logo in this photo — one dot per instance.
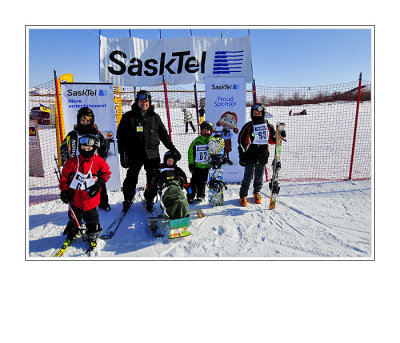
[87, 92]
[178, 62]
[227, 62]
[225, 86]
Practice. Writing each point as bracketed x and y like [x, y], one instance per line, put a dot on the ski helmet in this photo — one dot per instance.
[207, 125]
[260, 108]
[170, 154]
[88, 140]
[143, 95]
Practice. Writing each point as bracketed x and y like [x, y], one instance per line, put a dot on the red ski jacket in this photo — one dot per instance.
[80, 198]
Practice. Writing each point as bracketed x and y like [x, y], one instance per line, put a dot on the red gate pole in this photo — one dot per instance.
[355, 126]
[167, 107]
[166, 103]
[197, 108]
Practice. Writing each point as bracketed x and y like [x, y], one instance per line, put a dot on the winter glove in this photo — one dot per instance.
[64, 196]
[178, 154]
[124, 159]
[93, 190]
[283, 133]
[191, 168]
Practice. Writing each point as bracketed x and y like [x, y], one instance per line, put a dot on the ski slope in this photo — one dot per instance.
[320, 220]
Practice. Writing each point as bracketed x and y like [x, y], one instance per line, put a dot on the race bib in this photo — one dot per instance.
[201, 154]
[81, 181]
[261, 134]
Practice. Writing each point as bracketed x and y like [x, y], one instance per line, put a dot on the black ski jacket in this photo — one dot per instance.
[250, 153]
[140, 136]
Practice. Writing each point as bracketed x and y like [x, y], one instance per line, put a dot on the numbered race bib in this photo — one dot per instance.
[261, 134]
[201, 154]
[82, 181]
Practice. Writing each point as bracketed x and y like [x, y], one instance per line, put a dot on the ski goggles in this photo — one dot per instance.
[85, 140]
[259, 107]
[143, 96]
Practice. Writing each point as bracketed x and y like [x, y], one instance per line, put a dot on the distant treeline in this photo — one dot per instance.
[321, 97]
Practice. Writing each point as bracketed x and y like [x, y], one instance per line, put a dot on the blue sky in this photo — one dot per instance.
[281, 57]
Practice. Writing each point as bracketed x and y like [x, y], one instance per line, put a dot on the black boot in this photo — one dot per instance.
[126, 205]
[149, 206]
[92, 233]
[71, 230]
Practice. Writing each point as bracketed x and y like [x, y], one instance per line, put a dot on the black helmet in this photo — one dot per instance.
[88, 140]
[207, 125]
[170, 154]
[260, 108]
[143, 95]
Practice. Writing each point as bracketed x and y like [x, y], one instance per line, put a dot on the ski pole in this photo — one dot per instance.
[76, 219]
[57, 171]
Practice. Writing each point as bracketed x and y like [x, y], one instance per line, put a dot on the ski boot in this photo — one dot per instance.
[92, 234]
[243, 201]
[257, 198]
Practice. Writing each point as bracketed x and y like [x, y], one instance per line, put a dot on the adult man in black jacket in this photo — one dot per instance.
[138, 135]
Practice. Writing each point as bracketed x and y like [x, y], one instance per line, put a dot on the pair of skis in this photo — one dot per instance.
[276, 166]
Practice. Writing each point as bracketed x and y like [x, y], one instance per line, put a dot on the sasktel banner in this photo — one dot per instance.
[100, 98]
[142, 62]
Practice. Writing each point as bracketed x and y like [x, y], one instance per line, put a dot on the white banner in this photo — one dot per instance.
[99, 98]
[142, 62]
[227, 95]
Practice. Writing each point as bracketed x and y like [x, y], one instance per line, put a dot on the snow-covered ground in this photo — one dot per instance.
[319, 220]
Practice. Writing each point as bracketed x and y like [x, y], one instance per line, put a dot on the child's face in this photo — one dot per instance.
[170, 161]
[85, 120]
[86, 147]
[206, 132]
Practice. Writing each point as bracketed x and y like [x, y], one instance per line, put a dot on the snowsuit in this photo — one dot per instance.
[188, 120]
[139, 137]
[69, 148]
[199, 166]
[77, 175]
[170, 181]
[253, 143]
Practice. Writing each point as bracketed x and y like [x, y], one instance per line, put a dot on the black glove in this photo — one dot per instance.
[124, 159]
[283, 133]
[242, 163]
[64, 196]
[178, 154]
[93, 190]
[191, 168]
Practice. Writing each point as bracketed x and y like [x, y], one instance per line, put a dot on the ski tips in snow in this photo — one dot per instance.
[113, 227]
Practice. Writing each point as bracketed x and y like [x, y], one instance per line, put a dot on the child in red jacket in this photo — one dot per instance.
[81, 179]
